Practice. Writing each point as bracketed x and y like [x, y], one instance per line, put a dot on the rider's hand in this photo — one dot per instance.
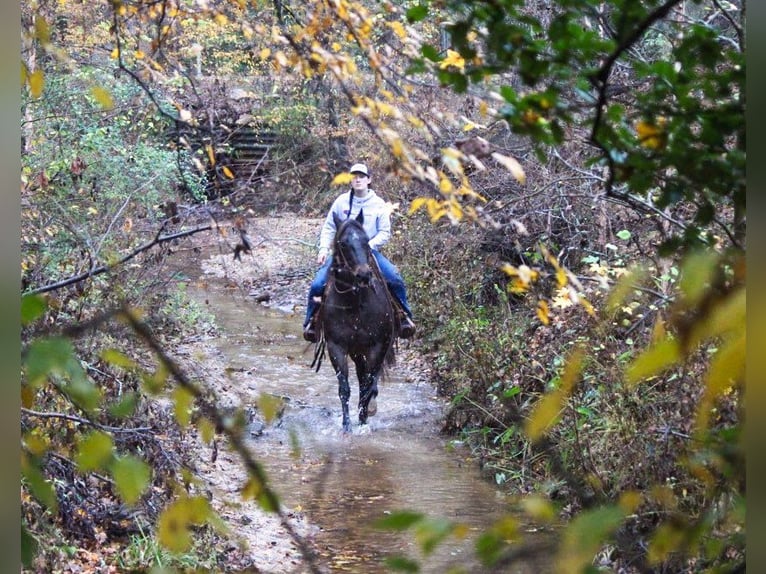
[322, 257]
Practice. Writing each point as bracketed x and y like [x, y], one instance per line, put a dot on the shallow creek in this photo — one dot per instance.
[343, 483]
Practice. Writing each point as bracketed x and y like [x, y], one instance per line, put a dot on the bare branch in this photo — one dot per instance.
[83, 421]
[159, 239]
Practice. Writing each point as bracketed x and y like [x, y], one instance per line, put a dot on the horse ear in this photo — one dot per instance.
[336, 220]
[360, 217]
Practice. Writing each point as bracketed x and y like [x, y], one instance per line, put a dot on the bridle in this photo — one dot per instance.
[341, 264]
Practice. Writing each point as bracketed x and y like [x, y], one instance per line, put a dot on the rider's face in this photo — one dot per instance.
[360, 181]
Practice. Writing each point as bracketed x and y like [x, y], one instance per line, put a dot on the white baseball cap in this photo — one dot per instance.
[359, 168]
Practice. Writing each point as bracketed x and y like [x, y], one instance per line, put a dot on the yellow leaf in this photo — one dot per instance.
[436, 210]
[264, 54]
[652, 135]
[724, 317]
[398, 29]
[416, 204]
[36, 83]
[445, 185]
[584, 536]
[103, 97]
[629, 501]
[726, 369]
[452, 59]
[511, 165]
[666, 539]
[139, 54]
[115, 54]
[183, 401]
[538, 508]
[543, 312]
[227, 172]
[269, 405]
[210, 154]
[42, 31]
[545, 415]
[653, 361]
[546, 411]
[342, 179]
[587, 306]
[206, 429]
[658, 329]
[696, 275]
[625, 285]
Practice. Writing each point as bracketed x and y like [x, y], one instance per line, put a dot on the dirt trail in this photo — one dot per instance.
[278, 269]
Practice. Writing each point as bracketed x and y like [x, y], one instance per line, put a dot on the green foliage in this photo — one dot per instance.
[143, 552]
[682, 137]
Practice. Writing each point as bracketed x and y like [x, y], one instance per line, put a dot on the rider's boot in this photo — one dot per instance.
[406, 326]
[310, 330]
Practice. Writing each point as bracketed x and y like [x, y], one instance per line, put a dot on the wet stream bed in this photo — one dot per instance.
[342, 483]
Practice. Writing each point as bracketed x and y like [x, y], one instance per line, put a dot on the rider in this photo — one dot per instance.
[377, 224]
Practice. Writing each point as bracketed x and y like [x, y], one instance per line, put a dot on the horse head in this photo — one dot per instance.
[352, 251]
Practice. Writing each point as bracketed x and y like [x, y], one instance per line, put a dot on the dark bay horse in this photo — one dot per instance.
[356, 318]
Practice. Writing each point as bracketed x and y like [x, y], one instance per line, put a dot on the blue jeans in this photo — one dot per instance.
[390, 274]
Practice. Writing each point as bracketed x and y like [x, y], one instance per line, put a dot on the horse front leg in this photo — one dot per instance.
[368, 390]
[340, 364]
[344, 392]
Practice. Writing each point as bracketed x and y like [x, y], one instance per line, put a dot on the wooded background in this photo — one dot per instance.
[568, 188]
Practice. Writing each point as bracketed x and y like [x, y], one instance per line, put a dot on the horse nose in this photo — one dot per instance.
[363, 275]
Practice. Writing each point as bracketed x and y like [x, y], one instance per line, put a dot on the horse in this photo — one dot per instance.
[356, 319]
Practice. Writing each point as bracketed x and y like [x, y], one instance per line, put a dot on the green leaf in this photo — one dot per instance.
[585, 535]
[491, 543]
[94, 451]
[183, 400]
[131, 476]
[624, 234]
[401, 564]
[430, 52]
[118, 359]
[40, 488]
[28, 547]
[417, 13]
[46, 356]
[32, 307]
[399, 520]
[125, 407]
[176, 519]
[429, 533]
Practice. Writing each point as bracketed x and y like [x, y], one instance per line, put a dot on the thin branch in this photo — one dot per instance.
[104, 268]
[601, 80]
[83, 421]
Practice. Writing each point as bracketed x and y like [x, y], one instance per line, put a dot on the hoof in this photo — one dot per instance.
[372, 408]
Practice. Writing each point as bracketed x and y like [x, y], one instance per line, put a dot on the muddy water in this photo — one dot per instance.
[343, 483]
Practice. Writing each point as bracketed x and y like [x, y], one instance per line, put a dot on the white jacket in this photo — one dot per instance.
[377, 219]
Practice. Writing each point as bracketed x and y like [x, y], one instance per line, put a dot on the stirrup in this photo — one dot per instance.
[406, 328]
[310, 330]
